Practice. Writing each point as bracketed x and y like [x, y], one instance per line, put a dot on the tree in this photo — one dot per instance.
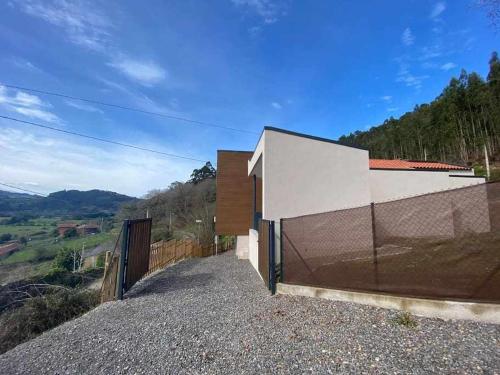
[70, 233]
[5, 237]
[205, 172]
[67, 259]
[454, 127]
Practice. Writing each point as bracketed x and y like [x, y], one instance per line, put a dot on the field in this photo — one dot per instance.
[35, 257]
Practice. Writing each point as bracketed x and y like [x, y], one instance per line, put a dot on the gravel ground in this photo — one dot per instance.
[213, 315]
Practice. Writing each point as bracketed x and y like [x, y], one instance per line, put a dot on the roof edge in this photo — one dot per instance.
[313, 137]
[236, 151]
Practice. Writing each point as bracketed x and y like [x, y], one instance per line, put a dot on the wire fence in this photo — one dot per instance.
[443, 245]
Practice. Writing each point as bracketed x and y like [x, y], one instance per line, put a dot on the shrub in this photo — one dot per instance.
[60, 276]
[67, 259]
[5, 237]
[70, 233]
[101, 259]
[42, 313]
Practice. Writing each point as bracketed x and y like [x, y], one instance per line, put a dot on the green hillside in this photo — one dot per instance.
[454, 127]
[92, 203]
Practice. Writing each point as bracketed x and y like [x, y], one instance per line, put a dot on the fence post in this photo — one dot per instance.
[272, 259]
[123, 255]
[374, 239]
[281, 251]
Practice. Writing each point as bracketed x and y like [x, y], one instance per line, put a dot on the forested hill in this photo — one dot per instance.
[63, 203]
[453, 128]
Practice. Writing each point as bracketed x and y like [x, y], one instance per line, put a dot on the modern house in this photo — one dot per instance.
[291, 174]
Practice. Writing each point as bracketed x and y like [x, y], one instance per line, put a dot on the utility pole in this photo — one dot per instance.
[147, 213]
[198, 221]
[81, 256]
[487, 162]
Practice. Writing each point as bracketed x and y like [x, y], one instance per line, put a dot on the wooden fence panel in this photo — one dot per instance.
[108, 288]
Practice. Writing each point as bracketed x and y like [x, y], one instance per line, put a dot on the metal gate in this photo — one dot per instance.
[134, 257]
[267, 262]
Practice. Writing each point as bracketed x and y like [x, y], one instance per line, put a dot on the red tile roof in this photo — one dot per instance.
[9, 248]
[409, 164]
[67, 225]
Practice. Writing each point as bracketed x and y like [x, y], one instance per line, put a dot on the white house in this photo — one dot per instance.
[295, 174]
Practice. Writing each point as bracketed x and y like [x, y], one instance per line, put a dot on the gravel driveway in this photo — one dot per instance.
[213, 315]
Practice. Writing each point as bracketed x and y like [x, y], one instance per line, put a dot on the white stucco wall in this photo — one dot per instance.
[253, 248]
[304, 176]
[393, 184]
[456, 182]
[242, 247]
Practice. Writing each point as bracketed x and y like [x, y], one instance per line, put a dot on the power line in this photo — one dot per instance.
[22, 189]
[100, 139]
[194, 122]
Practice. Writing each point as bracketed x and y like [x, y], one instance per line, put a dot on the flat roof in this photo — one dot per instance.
[308, 136]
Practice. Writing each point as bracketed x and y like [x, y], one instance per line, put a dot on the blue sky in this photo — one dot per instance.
[325, 67]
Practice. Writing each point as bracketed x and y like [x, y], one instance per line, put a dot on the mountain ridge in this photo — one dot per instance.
[63, 203]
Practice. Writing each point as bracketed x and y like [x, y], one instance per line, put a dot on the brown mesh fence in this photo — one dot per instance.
[443, 245]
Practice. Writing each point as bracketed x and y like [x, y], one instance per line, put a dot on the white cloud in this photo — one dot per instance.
[448, 66]
[106, 167]
[268, 10]
[407, 37]
[392, 109]
[147, 73]
[24, 64]
[254, 30]
[431, 52]
[82, 23]
[27, 105]
[276, 105]
[410, 80]
[386, 98]
[82, 106]
[143, 101]
[438, 8]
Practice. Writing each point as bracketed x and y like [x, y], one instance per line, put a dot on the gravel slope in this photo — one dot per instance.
[213, 315]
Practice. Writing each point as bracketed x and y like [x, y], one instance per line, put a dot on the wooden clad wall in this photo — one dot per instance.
[234, 206]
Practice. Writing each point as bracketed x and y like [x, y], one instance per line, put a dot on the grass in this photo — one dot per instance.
[24, 230]
[47, 248]
[405, 319]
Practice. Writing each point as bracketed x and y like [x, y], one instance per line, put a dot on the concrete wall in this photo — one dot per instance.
[304, 176]
[242, 247]
[253, 248]
[394, 184]
[481, 312]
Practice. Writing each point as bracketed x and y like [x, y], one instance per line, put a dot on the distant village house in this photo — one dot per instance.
[9, 248]
[82, 230]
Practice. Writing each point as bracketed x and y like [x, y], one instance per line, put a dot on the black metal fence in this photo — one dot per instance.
[134, 255]
[266, 256]
[443, 245]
